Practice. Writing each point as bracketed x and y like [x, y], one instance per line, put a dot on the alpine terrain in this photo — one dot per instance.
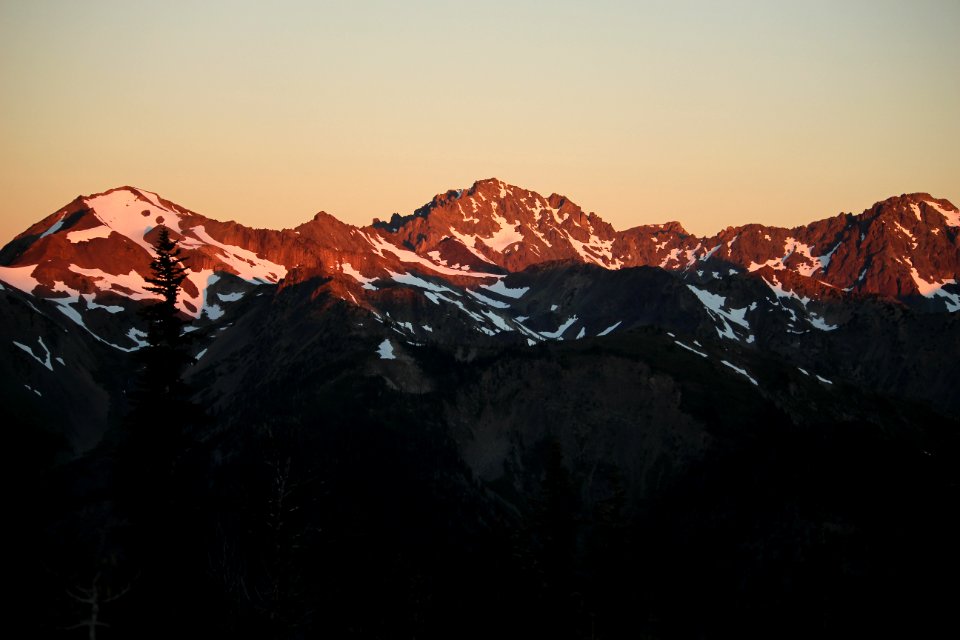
[495, 415]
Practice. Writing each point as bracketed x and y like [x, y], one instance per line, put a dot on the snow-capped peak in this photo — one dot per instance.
[133, 213]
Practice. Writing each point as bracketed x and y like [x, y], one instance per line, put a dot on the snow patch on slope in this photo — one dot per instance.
[556, 335]
[86, 235]
[610, 328]
[413, 281]
[742, 372]
[505, 236]
[780, 292]
[500, 288]
[45, 361]
[380, 245]
[56, 226]
[20, 277]
[952, 218]
[247, 264]
[488, 301]
[131, 285]
[819, 323]
[595, 250]
[810, 265]
[935, 289]
[65, 305]
[385, 350]
[92, 304]
[689, 348]
[122, 210]
[470, 244]
[714, 305]
[498, 322]
[348, 269]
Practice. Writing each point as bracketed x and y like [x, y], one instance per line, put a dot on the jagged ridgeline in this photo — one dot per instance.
[497, 413]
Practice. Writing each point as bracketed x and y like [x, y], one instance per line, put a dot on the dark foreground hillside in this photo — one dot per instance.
[607, 488]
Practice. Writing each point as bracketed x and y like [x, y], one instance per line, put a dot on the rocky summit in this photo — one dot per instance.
[846, 297]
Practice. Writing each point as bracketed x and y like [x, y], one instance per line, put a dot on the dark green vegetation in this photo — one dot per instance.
[610, 487]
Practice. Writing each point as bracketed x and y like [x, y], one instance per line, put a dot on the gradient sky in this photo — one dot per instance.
[712, 113]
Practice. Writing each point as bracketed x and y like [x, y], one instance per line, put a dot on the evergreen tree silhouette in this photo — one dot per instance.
[166, 355]
[161, 408]
[157, 475]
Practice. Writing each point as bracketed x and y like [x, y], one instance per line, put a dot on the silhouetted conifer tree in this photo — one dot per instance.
[166, 355]
[162, 408]
[158, 477]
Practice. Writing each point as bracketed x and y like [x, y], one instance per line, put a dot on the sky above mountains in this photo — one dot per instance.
[711, 113]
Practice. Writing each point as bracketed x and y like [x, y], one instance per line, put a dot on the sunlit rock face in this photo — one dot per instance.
[491, 266]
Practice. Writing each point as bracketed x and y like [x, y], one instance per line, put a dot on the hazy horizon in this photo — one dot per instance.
[707, 113]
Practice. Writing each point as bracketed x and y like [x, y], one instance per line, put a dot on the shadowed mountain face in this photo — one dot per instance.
[868, 298]
[505, 383]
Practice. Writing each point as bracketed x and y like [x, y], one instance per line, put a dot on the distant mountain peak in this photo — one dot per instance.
[930, 211]
[904, 247]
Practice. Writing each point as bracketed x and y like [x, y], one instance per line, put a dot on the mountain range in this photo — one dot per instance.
[453, 359]
[847, 297]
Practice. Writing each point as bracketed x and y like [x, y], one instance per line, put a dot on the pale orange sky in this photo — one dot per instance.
[711, 113]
